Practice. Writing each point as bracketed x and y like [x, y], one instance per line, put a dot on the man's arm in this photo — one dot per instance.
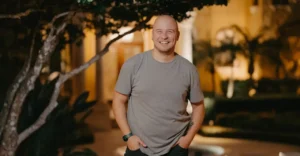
[119, 109]
[196, 122]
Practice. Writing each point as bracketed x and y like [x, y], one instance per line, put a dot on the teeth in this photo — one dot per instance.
[164, 42]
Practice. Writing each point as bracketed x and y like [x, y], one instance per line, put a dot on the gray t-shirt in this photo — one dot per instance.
[158, 95]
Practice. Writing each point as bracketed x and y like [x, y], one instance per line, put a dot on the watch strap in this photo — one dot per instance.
[127, 136]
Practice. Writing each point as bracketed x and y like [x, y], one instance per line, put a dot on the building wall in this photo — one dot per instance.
[210, 19]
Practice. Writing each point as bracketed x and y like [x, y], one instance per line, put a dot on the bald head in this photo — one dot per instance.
[165, 21]
[165, 34]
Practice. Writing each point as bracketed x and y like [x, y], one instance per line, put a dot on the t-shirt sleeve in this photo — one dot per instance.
[195, 93]
[125, 78]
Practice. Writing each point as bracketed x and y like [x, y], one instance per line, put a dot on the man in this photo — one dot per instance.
[158, 84]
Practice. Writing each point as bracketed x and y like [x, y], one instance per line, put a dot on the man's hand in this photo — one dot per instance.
[134, 143]
[195, 124]
[184, 142]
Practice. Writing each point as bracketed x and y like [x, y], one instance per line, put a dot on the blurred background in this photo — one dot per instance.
[248, 57]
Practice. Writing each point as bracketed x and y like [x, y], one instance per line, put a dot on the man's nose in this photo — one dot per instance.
[164, 35]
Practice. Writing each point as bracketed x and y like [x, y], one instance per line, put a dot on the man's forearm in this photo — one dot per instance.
[119, 110]
[196, 120]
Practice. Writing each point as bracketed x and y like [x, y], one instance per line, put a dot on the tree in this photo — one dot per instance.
[47, 22]
[204, 51]
[229, 41]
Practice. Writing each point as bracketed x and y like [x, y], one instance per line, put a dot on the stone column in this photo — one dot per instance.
[185, 43]
[99, 118]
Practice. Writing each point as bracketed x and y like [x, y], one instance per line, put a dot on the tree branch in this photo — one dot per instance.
[104, 50]
[42, 118]
[52, 105]
[98, 55]
[19, 15]
[59, 16]
[15, 85]
[28, 84]
[64, 77]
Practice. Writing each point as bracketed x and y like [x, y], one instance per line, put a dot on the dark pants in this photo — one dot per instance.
[175, 151]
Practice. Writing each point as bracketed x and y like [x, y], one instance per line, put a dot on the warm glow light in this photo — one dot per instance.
[240, 69]
[127, 38]
[229, 33]
[253, 9]
[220, 35]
[211, 122]
[185, 39]
[252, 92]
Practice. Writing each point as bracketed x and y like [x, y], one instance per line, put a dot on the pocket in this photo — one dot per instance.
[181, 147]
[179, 151]
[132, 152]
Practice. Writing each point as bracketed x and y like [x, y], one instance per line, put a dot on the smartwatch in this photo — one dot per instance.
[127, 136]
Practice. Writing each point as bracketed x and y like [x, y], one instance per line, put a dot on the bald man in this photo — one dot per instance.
[157, 85]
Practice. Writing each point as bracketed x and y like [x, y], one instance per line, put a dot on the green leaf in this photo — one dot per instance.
[81, 99]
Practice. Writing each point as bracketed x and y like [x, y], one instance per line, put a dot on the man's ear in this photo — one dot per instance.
[178, 34]
[152, 34]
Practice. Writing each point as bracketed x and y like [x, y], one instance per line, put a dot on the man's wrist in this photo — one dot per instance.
[127, 136]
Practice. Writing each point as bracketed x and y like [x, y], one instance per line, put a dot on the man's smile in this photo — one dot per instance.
[164, 42]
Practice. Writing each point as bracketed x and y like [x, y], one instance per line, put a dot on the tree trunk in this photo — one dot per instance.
[213, 81]
[9, 142]
[251, 68]
[230, 86]
[9, 147]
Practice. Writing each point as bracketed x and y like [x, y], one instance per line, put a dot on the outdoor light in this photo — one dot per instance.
[252, 92]
[127, 38]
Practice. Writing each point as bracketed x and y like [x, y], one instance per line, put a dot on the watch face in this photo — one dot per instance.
[125, 138]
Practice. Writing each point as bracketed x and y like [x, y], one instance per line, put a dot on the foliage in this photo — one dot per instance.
[104, 16]
[203, 50]
[266, 43]
[61, 129]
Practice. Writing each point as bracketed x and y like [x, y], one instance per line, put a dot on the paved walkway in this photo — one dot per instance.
[107, 143]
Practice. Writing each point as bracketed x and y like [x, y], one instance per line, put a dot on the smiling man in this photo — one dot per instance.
[157, 85]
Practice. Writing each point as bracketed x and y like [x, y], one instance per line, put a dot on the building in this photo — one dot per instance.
[205, 24]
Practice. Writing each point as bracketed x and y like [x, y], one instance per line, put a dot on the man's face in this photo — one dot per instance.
[165, 34]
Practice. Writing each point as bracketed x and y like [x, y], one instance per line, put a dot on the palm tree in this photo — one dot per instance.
[230, 39]
[204, 51]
